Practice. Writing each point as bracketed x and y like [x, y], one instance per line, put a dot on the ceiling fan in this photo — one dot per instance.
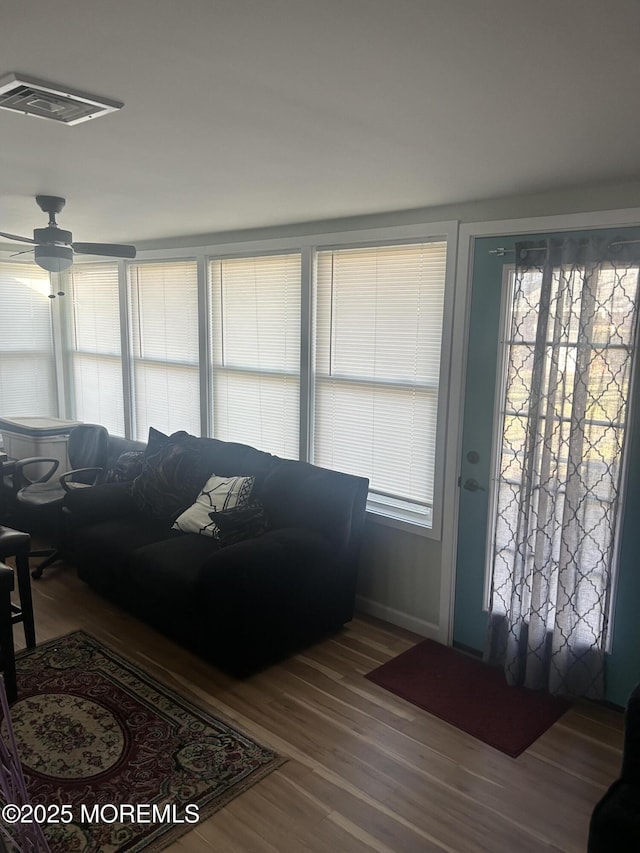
[54, 248]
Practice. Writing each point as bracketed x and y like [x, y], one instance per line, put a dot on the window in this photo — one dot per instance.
[378, 333]
[329, 355]
[255, 351]
[163, 300]
[27, 373]
[94, 346]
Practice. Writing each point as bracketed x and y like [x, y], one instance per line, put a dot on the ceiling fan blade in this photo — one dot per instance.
[113, 250]
[24, 252]
[16, 237]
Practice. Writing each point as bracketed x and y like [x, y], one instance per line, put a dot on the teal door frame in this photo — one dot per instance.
[468, 620]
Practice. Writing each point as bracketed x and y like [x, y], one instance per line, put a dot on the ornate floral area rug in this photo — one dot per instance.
[114, 760]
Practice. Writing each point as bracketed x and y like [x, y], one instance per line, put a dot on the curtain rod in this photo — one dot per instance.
[500, 251]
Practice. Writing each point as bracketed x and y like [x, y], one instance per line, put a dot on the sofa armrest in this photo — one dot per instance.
[262, 599]
[106, 500]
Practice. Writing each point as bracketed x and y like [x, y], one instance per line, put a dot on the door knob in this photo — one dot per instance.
[472, 485]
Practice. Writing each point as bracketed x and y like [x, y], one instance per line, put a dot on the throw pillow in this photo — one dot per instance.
[156, 440]
[128, 466]
[234, 525]
[171, 477]
[218, 493]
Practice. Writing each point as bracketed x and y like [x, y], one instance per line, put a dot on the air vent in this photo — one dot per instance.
[47, 100]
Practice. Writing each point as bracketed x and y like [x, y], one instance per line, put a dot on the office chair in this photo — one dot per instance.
[39, 501]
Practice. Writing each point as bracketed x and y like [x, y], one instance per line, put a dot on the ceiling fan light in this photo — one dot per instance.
[54, 258]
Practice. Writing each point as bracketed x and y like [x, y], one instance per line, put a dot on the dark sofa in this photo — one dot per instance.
[240, 604]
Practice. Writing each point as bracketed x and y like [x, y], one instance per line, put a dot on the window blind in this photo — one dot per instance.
[164, 339]
[95, 349]
[378, 335]
[255, 351]
[27, 372]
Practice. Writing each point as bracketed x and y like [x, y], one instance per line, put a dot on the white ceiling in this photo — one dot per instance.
[250, 113]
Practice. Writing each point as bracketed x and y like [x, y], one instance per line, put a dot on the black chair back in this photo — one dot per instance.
[88, 446]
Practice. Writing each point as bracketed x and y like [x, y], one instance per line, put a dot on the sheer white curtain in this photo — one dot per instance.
[569, 354]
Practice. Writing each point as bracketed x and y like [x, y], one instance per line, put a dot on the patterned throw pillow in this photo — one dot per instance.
[234, 525]
[218, 494]
[128, 466]
[171, 476]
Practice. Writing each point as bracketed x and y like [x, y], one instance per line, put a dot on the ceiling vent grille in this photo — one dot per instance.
[47, 100]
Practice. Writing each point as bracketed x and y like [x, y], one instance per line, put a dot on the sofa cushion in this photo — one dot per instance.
[171, 477]
[218, 494]
[112, 542]
[168, 570]
[234, 525]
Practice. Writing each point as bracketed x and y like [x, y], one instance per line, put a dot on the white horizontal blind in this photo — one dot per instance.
[378, 334]
[164, 338]
[95, 350]
[27, 372]
[255, 351]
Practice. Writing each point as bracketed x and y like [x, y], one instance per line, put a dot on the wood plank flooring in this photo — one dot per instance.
[367, 771]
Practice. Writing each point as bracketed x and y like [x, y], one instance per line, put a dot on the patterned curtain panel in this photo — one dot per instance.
[569, 353]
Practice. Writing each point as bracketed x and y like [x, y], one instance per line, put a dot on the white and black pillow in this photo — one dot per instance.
[218, 494]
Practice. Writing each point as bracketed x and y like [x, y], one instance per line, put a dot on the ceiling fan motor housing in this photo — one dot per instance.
[51, 235]
[54, 258]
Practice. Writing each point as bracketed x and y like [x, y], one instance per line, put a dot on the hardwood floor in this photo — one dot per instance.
[366, 770]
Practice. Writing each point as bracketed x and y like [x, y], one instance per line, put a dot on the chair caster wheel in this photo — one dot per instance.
[36, 574]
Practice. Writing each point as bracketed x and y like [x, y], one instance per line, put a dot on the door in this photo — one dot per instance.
[622, 668]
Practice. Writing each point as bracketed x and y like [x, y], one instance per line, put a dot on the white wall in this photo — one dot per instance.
[399, 578]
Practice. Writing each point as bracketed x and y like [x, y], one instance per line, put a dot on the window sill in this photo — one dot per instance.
[414, 526]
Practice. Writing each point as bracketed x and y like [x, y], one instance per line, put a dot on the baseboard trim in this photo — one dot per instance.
[397, 617]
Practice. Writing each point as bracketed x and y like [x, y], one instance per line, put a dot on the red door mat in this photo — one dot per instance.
[470, 695]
